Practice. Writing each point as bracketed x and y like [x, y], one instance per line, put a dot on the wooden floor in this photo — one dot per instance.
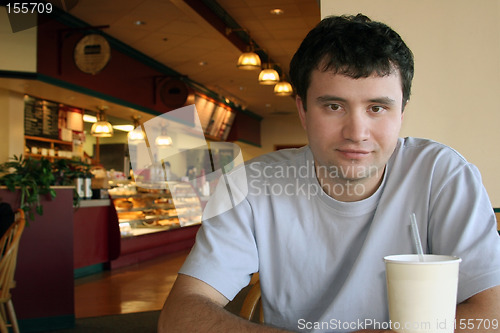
[136, 288]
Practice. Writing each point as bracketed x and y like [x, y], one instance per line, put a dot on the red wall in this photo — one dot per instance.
[245, 128]
[44, 272]
[123, 77]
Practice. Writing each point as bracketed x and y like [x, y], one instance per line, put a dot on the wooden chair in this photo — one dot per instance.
[9, 244]
[251, 303]
[497, 215]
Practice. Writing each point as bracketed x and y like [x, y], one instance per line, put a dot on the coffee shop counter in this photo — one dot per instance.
[155, 219]
[101, 243]
[96, 233]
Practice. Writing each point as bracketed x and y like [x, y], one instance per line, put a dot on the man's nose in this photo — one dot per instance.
[356, 127]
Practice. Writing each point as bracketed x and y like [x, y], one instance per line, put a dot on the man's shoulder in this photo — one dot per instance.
[429, 149]
[424, 157]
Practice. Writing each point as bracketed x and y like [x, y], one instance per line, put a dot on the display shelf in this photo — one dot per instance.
[55, 149]
[150, 208]
[41, 139]
[38, 156]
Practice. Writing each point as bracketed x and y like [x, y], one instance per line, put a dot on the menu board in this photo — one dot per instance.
[41, 118]
[215, 119]
[205, 109]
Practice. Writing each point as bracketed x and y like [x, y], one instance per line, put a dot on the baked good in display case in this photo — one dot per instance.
[147, 209]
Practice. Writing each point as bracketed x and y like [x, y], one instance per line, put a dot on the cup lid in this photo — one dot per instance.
[428, 259]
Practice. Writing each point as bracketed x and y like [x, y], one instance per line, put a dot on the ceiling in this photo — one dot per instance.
[182, 39]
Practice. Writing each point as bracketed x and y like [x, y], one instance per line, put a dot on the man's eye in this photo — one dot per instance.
[377, 109]
[334, 107]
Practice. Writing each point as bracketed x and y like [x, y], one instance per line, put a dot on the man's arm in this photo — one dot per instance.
[480, 313]
[194, 306]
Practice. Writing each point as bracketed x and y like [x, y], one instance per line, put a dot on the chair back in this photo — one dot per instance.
[252, 303]
[497, 215]
[9, 245]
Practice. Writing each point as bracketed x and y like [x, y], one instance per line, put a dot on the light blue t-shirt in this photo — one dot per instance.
[320, 260]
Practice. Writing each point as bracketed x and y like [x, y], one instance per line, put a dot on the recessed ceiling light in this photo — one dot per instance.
[89, 119]
[124, 128]
[203, 63]
[139, 22]
[277, 11]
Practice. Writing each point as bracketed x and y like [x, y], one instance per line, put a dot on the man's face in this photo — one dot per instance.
[352, 125]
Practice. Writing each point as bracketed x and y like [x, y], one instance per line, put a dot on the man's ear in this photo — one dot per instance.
[302, 111]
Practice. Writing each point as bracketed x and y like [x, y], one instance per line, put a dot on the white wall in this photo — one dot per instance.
[276, 130]
[456, 44]
[282, 130]
[17, 53]
[11, 124]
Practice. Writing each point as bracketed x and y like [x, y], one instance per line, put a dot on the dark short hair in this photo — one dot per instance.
[354, 46]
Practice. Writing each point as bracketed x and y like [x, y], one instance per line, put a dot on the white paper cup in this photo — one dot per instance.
[422, 294]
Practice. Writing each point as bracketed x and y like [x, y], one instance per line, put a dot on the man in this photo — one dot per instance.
[317, 221]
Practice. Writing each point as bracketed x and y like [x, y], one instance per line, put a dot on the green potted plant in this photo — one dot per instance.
[34, 178]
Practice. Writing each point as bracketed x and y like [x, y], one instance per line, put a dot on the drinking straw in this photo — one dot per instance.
[416, 237]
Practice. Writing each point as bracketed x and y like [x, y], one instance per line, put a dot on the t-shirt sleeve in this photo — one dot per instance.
[462, 223]
[225, 252]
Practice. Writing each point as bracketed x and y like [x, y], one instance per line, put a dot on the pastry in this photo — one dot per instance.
[130, 215]
[123, 203]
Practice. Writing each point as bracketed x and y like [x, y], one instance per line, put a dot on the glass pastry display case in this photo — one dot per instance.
[144, 209]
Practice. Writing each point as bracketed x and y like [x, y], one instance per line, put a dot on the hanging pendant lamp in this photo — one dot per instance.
[268, 76]
[102, 128]
[249, 61]
[283, 88]
[136, 134]
[163, 140]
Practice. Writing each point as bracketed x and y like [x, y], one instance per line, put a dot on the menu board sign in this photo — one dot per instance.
[41, 118]
[215, 119]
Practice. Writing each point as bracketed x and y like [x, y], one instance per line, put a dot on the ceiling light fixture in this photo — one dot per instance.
[163, 140]
[283, 88]
[268, 76]
[277, 11]
[248, 60]
[124, 128]
[89, 119]
[102, 128]
[137, 133]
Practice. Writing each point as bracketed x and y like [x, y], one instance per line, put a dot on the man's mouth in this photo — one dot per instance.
[354, 153]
